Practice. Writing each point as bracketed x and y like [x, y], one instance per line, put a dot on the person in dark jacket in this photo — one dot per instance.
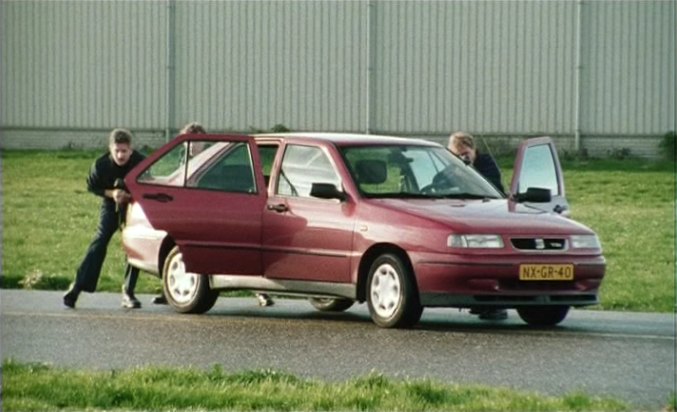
[462, 144]
[106, 180]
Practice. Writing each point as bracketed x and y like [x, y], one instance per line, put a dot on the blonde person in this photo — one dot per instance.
[196, 148]
[462, 144]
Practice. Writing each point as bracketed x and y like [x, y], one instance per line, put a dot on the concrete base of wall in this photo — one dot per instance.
[30, 139]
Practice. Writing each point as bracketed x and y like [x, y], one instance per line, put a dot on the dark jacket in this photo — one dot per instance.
[105, 171]
[486, 165]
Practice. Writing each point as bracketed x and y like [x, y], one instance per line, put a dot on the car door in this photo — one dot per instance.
[305, 237]
[207, 192]
[537, 166]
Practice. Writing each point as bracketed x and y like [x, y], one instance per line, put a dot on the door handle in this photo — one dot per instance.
[279, 208]
[160, 197]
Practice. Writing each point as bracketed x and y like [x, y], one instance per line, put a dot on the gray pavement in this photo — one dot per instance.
[630, 356]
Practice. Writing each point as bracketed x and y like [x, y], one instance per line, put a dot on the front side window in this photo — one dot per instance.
[222, 166]
[414, 171]
[301, 167]
[539, 170]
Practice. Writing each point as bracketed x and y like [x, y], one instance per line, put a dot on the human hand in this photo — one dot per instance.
[120, 196]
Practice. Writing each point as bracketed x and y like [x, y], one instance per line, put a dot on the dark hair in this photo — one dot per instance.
[120, 135]
[193, 128]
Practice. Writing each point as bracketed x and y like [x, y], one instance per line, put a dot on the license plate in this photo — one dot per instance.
[546, 272]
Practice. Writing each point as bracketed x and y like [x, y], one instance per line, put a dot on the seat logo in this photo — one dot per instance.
[540, 244]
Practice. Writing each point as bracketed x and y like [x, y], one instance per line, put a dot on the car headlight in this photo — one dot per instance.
[475, 241]
[585, 242]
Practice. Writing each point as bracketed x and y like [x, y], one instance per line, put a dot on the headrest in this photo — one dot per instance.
[371, 171]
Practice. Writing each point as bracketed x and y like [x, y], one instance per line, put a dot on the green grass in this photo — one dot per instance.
[43, 388]
[50, 218]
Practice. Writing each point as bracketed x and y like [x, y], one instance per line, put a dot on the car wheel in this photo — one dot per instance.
[543, 315]
[331, 304]
[186, 292]
[391, 293]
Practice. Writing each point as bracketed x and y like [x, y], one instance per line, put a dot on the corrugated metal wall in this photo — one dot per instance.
[82, 64]
[489, 67]
[243, 64]
[629, 62]
[402, 67]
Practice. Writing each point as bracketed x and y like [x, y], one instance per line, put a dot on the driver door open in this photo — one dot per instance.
[537, 166]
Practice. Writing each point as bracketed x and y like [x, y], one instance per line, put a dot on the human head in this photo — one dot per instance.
[120, 146]
[462, 144]
[193, 128]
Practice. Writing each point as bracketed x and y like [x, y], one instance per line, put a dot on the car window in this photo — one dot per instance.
[539, 170]
[223, 166]
[301, 167]
[267, 154]
[414, 171]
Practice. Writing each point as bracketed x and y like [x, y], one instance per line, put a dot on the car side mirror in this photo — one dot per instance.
[534, 195]
[326, 191]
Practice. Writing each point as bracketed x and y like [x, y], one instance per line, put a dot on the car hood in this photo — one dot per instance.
[486, 216]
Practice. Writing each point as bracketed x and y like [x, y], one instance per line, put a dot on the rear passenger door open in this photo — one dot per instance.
[209, 200]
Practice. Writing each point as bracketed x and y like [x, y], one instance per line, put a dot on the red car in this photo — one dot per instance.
[401, 224]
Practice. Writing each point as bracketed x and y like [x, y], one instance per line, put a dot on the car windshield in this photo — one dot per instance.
[408, 171]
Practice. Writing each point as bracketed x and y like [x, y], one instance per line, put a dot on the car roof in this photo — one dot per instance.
[347, 139]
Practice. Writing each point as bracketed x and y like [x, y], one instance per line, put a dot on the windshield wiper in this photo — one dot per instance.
[401, 195]
[467, 196]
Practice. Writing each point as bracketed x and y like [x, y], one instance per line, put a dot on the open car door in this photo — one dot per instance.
[537, 171]
[208, 193]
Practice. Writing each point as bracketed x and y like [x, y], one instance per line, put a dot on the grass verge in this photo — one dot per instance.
[43, 388]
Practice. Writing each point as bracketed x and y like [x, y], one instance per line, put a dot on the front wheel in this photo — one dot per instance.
[186, 292]
[391, 293]
[543, 315]
[331, 304]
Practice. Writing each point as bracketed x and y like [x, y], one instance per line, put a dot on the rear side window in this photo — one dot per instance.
[221, 166]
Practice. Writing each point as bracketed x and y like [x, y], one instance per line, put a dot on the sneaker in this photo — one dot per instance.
[129, 301]
[264, 300]
[494, 314]
[159, 300]
[71, 296]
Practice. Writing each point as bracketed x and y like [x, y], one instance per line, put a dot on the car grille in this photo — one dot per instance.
[538, 243]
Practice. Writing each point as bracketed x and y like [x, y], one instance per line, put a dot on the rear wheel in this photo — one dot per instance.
[543, 315]
[391, 293]
[186, 292]
[331, 304]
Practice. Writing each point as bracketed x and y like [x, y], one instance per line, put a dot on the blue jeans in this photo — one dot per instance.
[89, 271]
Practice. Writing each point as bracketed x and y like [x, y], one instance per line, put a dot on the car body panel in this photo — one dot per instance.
[209, 226]
[537, 165]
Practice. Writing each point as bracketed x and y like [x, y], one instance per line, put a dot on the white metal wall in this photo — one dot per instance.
[258, 63]
[629, 64]
[489, 67]
[502, 68]
[81, 64]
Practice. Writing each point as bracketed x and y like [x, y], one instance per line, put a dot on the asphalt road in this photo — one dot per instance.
[630, 356]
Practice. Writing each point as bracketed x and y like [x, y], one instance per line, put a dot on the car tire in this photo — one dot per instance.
[543, 315]
[391, 293]
[331, 304]
[186, 292]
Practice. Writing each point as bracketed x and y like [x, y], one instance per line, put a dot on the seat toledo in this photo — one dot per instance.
[401, 224]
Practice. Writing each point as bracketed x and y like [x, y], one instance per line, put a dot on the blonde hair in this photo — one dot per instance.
[193, 128]
[462, 139]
